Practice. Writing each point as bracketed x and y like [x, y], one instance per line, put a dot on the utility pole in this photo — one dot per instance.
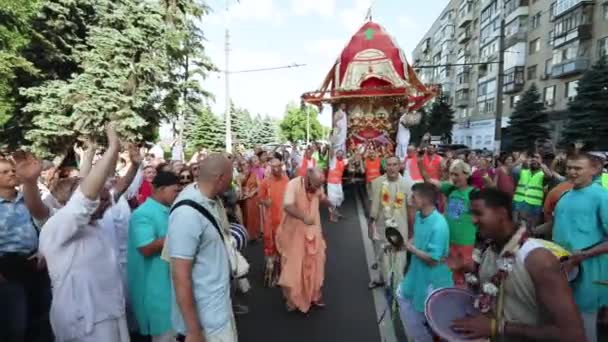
[227, 84]
[499, 85]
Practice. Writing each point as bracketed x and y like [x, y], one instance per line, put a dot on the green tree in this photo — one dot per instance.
[528, 123]
[206, 130]
[587, 114]
[293, 126]
[241, 125]
[442, 118]
[264, 130]
[57, 31]
[15, 34]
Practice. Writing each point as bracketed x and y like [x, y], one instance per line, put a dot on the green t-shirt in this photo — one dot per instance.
[458, 214]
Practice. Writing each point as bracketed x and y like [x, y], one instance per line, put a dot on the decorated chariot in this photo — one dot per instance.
[377, 87]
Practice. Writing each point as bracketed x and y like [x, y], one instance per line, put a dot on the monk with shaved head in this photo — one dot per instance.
[300, 242]
[271, 195]
[200, 268]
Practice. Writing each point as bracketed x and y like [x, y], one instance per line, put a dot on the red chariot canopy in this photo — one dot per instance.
[372, 66]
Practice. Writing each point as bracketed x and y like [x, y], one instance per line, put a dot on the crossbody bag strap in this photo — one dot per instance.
[202, 210]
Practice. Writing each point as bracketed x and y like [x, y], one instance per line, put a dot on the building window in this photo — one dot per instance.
[532, 72]
[534, 46]
[552, 11]
[549, 95]
[571, 90]
[548, 66]
[536, 21]
[550, 38]
[602, 47]
[487, 140]
[605, 11]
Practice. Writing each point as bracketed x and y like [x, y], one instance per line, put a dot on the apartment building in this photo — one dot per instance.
[546, 42]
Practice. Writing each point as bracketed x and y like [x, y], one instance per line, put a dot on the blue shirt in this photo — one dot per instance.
[149, 277]
[191, 236]
[18, 234]
[431, 236]
[581, 221]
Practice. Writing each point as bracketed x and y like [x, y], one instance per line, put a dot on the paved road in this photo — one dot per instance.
[350, 313]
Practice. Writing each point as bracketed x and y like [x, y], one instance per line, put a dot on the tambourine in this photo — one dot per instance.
[444, 306]
[394, 237]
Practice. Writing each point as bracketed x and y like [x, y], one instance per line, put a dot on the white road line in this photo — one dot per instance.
[386, 328]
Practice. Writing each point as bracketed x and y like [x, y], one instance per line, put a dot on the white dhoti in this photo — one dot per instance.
[335, 194]
[111, 330]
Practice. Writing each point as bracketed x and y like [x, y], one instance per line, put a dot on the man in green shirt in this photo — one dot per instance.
[458, 215]
[149, 275]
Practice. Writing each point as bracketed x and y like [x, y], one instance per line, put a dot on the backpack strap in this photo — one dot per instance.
[202, 210]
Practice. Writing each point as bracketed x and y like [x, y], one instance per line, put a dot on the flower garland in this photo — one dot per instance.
[388, 206]
[489, 290]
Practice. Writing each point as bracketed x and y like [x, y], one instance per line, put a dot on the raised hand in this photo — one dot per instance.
[134, 154]
[27, 167]
[113, 139]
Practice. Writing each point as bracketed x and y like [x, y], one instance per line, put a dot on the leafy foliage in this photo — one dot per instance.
[528, 123]
[293, 125]
[588, 116]
[206, 130]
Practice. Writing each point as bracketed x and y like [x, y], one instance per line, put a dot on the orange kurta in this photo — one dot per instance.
[302, 248]
[250, 207]
[272, 188]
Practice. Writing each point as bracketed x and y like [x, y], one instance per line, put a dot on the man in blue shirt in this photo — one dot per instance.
[200, 269]
[581, 226]
[24, 283]
[149, 275]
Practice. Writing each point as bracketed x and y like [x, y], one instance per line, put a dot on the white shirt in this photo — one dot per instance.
[403, 133]
[83, 269]
[341, 128]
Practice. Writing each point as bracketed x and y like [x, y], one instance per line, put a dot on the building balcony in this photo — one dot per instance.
[517, 37]
[564, 6]
[464, 37]
[520, 11]
[581, 32]
[462, 99]
[513, 80]
[570, 67]
[465, 20]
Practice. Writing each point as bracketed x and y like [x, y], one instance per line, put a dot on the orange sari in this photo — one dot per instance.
[272, 189]
[302, 249]
[250, 208]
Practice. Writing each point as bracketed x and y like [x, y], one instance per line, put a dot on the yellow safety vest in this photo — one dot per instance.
[530, 188]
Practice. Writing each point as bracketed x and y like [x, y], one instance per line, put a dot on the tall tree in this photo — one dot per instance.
[264, 130]
[15, 34]
[442, 119]
[293, 125]
[528, 123]
[205, 130]
[242, 124]
[587, 114]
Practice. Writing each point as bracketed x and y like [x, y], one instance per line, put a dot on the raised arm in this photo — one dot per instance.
[95, 180]
[124, 182]
[423, 172]
[86, 158]
[28, 171]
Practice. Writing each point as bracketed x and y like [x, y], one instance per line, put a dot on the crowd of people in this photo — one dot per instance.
[126, 244]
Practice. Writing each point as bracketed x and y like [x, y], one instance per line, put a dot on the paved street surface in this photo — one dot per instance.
[350, 314]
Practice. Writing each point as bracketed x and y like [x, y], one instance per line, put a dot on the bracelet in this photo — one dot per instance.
[501, 327]
[493, 327]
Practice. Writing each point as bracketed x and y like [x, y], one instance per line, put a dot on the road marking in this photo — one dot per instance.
[386, 328]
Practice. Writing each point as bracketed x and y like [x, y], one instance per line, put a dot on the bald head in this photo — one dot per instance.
[314, 179]
[214, 166]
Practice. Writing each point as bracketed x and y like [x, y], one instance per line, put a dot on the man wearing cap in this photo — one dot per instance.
[149, 277]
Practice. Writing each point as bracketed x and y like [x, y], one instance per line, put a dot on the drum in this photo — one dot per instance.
[562, 254]
[443, 306]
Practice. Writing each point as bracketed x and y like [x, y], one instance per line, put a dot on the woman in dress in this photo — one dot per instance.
[249, 199]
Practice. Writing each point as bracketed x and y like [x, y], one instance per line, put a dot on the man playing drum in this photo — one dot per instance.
[533, 300]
